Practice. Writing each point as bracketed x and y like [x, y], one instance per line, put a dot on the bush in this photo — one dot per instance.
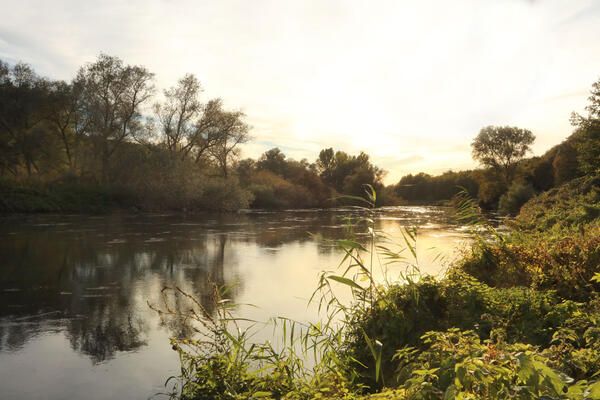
[223, 194]
[564, 263]
[456, 364]
[405, 313]
[517, 195]
[274, 192]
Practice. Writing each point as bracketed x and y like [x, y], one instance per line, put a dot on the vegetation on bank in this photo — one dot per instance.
[508, 179]
[107, 137]
[516, 317]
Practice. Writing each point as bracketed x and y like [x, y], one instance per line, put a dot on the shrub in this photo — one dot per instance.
[406, 312]
[456, 364]
[272, 191]
[565, 262]
[223, 194]
[517, 195]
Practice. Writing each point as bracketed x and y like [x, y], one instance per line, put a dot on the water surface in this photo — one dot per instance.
[74, 290]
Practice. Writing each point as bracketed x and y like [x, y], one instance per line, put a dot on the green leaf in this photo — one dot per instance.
[375, 347]
[262, 395]
[345, 281]
[350, 245]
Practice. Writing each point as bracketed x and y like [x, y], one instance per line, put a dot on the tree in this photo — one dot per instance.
[564, 164]
[273, 160]
[326, 163]
[346, 173]
[228, 131]
[587, 136]
[501, 147]
[112, 96]
[22, 97]
[67, 119]
[245, 170]
[178, 115]
[200, 131]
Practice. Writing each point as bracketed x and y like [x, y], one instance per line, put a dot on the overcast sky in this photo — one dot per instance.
[409, 82]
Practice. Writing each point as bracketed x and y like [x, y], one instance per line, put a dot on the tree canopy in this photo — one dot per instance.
[588, 132]
[501, 147]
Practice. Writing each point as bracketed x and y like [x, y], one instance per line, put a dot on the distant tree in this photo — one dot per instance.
[593, 108]
[203, 132]
[347, 173]
[326, 163]
[112, 96]
[23, 95]
[416, 187]
[179, 113]
[68, 120]
[245, 170]
[424, 187]
[564, 164]
[491, 188]
[587, 135]
[501, 147]
[538, 171]
[208, 133]
[273, 160]
[230, 130]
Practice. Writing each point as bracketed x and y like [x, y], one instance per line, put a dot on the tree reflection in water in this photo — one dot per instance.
[95, 290]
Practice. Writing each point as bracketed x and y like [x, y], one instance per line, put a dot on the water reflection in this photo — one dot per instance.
[88, 279]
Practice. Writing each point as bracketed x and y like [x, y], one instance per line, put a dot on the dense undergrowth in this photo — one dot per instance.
[40, 198]
[517, 317]
[74, 196]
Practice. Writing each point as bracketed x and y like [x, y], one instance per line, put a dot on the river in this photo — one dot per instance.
[74, 290]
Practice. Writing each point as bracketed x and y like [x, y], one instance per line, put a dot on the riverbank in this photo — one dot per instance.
[64, 197]
[516, 317]
[74, 196]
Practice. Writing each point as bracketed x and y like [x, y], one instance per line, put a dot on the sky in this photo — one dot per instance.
[409, 82]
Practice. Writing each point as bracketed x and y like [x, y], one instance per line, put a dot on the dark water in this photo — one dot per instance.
[74, 318]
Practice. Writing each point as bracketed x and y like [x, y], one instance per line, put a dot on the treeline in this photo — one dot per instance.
[508, 179]
[278, 182]
[106, 139]
[109, 138]
[104, 135]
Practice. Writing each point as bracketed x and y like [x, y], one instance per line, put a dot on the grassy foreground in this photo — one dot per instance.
[517, 317]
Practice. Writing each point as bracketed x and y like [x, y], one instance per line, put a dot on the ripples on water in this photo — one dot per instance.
[74, 289]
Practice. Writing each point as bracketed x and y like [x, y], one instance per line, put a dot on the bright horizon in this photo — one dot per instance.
[410, 84]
